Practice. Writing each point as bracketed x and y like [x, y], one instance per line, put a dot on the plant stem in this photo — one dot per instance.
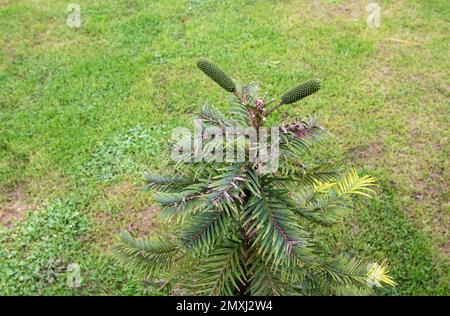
[276, 107]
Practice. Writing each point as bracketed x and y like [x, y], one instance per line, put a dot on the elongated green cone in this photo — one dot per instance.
[216, 74]
[301, 91]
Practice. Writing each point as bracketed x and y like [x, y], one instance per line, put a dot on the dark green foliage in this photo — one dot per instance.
[241, 231]
[135, 254]
[216, 74]
[301, 91]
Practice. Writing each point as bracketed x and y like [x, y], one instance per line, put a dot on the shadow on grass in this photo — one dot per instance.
[384, 230]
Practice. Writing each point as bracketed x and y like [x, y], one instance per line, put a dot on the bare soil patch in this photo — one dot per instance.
[15, 207]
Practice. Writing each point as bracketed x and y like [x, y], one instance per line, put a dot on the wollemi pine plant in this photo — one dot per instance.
[235, 227]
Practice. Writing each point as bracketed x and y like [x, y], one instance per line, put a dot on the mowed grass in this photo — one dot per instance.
[84, 112]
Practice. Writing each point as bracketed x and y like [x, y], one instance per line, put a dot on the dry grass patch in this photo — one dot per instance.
[123, 207]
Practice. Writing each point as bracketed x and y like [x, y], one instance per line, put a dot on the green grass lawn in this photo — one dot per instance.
[84, 112]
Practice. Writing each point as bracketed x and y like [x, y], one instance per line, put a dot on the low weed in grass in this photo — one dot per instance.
[124, 154]
[35, 253]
